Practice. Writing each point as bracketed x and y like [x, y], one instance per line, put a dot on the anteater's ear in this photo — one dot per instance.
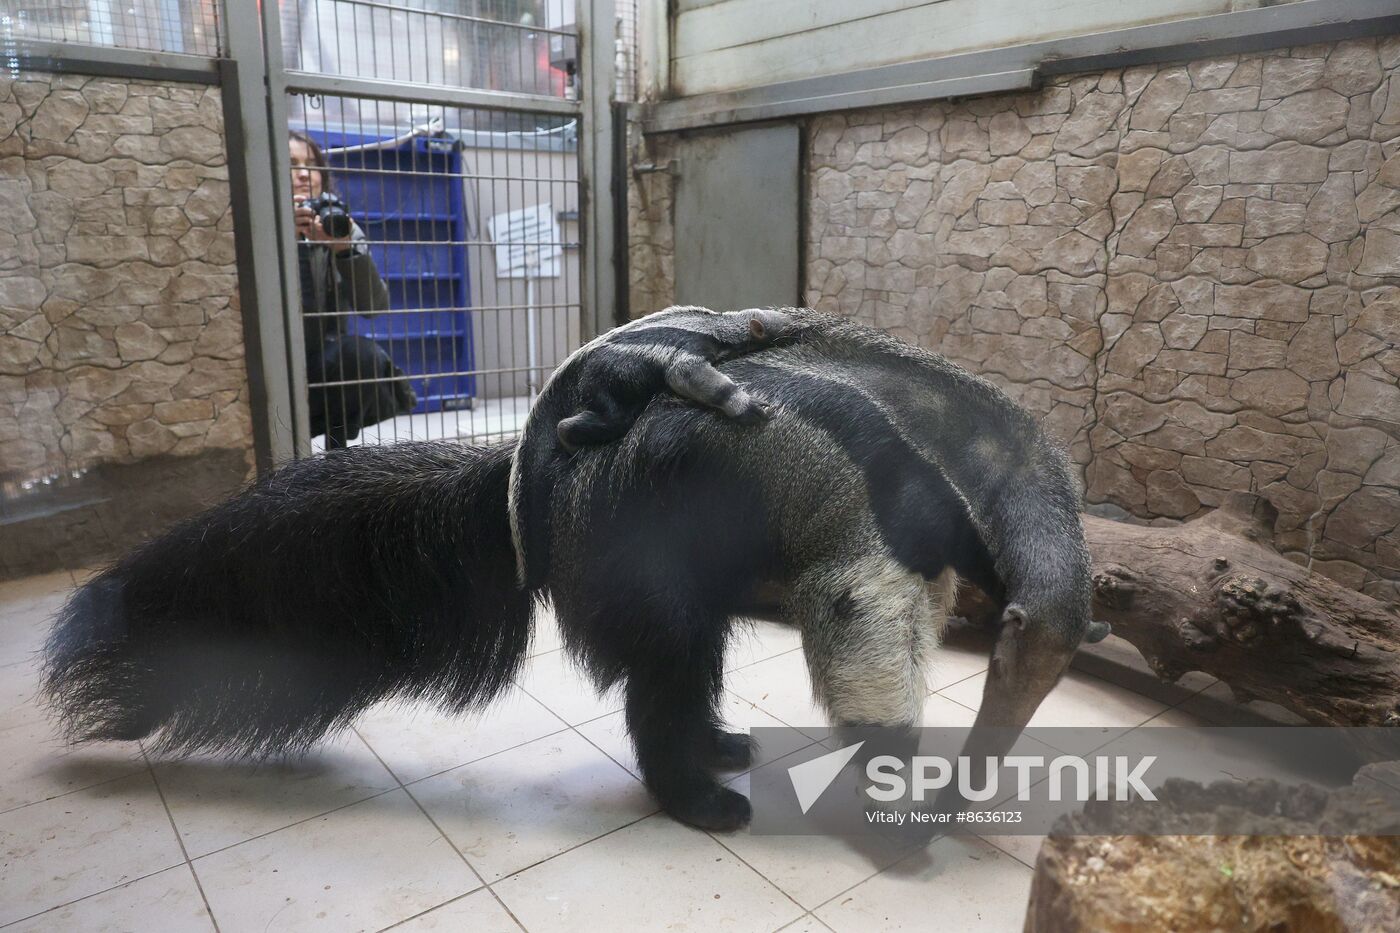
[1015, 615]
[1097, 631]
[756, 329]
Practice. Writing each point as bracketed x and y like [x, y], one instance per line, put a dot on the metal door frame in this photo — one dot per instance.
[260, 184]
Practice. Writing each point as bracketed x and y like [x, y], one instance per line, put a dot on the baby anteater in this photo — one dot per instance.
[678, 349]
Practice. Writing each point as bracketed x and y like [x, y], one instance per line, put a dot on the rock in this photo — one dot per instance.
[1008, 133]
[909, 145]
[1091, 183]
[1284, 76]
[1087, 129]
[1265, 218]
[184, 410]
[1168, 495]
[1381, 318]
[1386, 470]
[1196, 204]
[1137, 347]
[1381, 254]
[1072, 253]
[195, 143]
[964, 137]
[1183, 331]
[1223, 100]
[913, 203]
[1354, 450]
[1288, 162]
[1364, 516]
[1366, 397]
[149, 439]
[1160, 99]
[1375, 201]
[1307, 117]
[60, 113]
[1291, 257]
[78, 180]
[1136, 169]
[138, 341]
[962, 190]
[1273, 391]
[1267, 300]
[1352, 69]
[1149, 225]
[1312, 353]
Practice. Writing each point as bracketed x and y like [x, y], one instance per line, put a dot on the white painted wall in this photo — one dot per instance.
[725, 45]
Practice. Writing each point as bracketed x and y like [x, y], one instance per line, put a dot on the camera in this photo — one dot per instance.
[331, 211]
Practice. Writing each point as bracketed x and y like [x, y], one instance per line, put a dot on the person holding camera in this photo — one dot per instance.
[339, 277]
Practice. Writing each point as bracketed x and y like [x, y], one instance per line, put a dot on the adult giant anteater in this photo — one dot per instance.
[378, 572]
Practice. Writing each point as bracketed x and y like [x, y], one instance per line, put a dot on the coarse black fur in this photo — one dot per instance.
[879, 451]
[596, 395]
[377, 572]
[615, 378]
[283, 613]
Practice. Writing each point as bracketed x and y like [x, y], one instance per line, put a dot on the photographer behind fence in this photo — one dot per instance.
[338, 276]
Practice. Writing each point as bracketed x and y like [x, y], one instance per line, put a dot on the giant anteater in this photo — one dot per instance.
[378, 572]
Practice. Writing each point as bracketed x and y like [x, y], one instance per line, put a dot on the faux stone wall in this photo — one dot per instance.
[1192, 271]
[120, 334]
[651, 270]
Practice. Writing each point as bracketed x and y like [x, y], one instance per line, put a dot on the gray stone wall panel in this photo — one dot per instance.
[120, 332]
[1190, 270]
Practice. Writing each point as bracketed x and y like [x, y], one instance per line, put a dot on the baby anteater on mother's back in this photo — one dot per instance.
[675, 349]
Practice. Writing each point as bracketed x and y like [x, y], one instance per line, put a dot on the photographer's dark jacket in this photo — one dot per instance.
[343, 282]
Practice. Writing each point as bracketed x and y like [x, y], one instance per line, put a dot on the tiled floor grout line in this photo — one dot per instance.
[471, 761]
[173, 828]
[76, 790]
[771, 657]
[180, 840]
[712, 836]
[566, 727]
[423, 913]
[345, 806]
[445, 838]
[777, 887]
[130, 881]
[1007, 852]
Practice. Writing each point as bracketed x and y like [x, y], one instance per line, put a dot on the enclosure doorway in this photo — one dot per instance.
[452, 137]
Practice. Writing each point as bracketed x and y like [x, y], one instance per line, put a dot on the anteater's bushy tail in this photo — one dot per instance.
[280, 615]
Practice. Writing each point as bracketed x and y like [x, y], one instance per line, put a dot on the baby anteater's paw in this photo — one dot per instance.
[756, 411]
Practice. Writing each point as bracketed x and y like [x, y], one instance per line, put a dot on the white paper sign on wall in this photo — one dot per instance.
[528, 242]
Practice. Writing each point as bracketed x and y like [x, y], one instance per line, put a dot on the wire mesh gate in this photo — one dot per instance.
[470, 142]
[456, 286]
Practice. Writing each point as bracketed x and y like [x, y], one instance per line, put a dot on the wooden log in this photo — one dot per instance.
[1208, 596]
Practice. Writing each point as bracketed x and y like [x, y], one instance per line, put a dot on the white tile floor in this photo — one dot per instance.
[489, 419]
[528, 817]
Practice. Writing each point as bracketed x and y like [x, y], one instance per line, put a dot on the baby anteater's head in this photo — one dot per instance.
[767, 326]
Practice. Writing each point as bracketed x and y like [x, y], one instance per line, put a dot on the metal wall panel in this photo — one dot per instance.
[738, 218]
[746, 43]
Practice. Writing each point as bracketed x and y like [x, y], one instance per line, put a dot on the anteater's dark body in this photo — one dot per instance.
[883, 472]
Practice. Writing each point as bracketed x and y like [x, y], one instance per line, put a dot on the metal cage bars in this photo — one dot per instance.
[588, 287]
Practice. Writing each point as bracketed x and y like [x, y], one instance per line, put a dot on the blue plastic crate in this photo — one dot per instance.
[413, 192]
